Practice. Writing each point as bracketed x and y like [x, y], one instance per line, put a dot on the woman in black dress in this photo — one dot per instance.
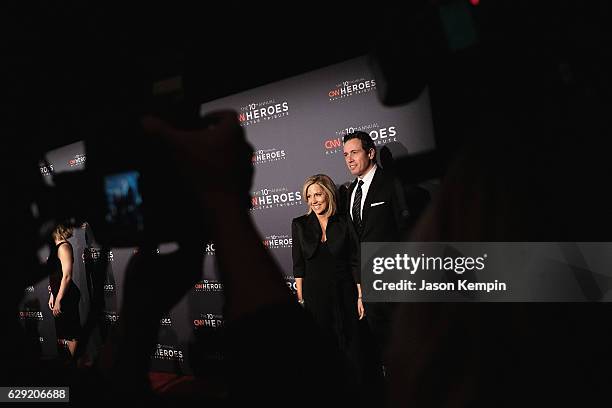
[65, 295]
[325, 261]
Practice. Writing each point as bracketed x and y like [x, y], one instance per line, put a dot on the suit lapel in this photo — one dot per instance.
[376, 182]
[312, 235]
[349, 193]
[349, 217]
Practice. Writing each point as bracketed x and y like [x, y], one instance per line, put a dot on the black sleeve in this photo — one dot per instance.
[296, 251]
[398, 205]
[354, 253]
[409, 203]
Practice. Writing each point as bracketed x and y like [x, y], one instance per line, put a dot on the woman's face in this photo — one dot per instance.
[317, 199]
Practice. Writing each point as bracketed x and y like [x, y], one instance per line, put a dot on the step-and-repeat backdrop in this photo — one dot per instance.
[296, 127]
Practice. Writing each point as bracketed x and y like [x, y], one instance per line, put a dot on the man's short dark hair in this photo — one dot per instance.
[366, 141]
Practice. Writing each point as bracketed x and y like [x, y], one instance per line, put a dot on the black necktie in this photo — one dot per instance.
[357, 205]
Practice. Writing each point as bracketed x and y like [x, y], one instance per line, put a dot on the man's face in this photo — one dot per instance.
[358, 160]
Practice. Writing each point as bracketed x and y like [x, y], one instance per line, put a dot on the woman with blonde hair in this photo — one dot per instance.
[325, 261]
[65, 295]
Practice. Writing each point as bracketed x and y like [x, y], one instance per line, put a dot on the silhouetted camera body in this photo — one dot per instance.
[130, 192]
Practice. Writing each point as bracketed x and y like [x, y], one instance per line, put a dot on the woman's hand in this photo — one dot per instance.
[57, 308]
[51, 301]
[360, 309]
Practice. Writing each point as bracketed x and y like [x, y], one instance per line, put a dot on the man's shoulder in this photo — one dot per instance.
[347, 185]
[380, 172]
[383, 178]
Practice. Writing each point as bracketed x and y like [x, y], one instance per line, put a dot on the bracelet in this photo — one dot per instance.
[359, 297]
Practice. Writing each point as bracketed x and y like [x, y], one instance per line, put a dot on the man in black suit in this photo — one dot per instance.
[377, 215]
[373, 205]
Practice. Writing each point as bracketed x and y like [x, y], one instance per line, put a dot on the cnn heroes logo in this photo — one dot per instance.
[31, 315]
[412, 264]
[209, 320]
[209, 248]
[77, 160]
[268, 156]
[380, 136]
[95, 254]
[290, 282]
[207, 285]
[278, 241]
[46, 170]
[275, 197]
[257, 112]
[167, 352]
[350, 88]
[111, 317]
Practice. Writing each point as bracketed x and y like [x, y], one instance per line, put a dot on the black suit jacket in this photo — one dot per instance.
[382, 218]
[306, 236]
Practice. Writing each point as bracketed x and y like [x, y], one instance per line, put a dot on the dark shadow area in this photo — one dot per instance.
[520, 95]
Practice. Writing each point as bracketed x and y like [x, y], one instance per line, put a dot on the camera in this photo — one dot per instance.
[129, 190]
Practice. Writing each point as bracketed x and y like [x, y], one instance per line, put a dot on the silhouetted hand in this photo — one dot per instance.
[217, 158]
[217, 162]
[154, 283]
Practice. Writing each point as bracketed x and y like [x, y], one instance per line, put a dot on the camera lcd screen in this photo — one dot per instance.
[124, 201]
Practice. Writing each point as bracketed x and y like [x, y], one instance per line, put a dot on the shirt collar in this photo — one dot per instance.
[369, 175]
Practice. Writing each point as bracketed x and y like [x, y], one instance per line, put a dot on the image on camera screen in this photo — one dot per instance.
[124, 201]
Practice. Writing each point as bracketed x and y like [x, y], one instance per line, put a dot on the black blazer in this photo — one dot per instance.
[306, 236]
[382, 216]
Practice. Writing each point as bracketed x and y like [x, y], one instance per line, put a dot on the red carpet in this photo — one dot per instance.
[186, 386]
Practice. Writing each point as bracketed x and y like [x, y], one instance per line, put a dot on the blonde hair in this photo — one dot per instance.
[328, 186]
[61, 232]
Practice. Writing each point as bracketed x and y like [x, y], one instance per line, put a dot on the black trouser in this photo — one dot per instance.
[376, 336]
[379, 317]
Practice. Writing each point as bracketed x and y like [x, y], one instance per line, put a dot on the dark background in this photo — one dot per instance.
[69, 60]
[546, 67]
